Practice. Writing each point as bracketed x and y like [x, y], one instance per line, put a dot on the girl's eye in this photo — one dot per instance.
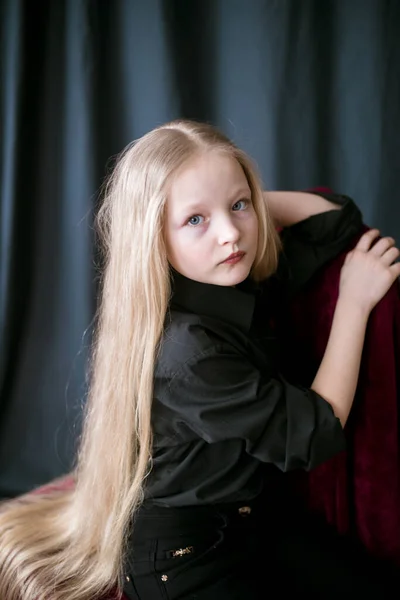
[240, 205]
[195, 220]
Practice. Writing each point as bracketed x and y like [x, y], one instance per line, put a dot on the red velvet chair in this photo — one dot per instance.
[358, 491]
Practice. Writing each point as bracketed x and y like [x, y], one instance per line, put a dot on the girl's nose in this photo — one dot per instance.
[228, 233]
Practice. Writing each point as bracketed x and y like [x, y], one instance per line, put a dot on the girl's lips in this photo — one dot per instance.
[234, 258]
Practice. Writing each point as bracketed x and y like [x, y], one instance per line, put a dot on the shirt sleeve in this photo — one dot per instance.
[219, 395]
[311, 243]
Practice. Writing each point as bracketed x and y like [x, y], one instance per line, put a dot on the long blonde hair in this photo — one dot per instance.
[69, 545]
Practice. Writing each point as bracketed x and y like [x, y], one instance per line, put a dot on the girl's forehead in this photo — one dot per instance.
[207, 177]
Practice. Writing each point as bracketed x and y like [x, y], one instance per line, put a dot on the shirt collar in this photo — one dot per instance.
[234, 305]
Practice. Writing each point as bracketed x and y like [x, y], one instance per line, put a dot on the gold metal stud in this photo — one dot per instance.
[244, 510]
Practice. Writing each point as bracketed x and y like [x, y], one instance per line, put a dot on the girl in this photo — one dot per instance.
[189, 423]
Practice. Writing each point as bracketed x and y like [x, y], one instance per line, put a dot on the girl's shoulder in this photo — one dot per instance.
[310, 244]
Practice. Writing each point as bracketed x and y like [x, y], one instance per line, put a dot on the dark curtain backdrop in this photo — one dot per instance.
[310, 89]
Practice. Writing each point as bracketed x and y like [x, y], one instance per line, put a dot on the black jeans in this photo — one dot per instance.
[245, 552]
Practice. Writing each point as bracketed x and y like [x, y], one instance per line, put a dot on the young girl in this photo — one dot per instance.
[189, 424]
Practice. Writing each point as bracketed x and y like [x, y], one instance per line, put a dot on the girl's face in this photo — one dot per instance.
[209, 217]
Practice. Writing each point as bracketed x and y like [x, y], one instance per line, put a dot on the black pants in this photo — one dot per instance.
[246, 553]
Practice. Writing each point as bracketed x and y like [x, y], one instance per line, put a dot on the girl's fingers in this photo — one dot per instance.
[395, 269]
[381, 246]
[390, 256]
[365, 241]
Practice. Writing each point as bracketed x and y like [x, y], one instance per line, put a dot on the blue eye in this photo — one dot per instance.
[240, 205]
[195, 220]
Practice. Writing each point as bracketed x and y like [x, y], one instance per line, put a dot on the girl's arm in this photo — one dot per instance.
[288, 208]
[367, 274]
[337, 377]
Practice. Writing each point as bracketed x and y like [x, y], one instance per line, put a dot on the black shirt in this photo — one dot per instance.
[225, 420]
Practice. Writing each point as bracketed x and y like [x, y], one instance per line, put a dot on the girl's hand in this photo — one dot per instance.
[369, 271]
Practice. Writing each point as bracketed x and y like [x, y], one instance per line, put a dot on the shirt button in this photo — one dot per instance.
[164, 577]
[127, 578]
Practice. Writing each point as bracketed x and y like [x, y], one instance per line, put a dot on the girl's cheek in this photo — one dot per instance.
[194, 233]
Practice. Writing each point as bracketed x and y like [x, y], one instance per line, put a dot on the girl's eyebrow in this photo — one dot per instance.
[195, 205]
[199, 204]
